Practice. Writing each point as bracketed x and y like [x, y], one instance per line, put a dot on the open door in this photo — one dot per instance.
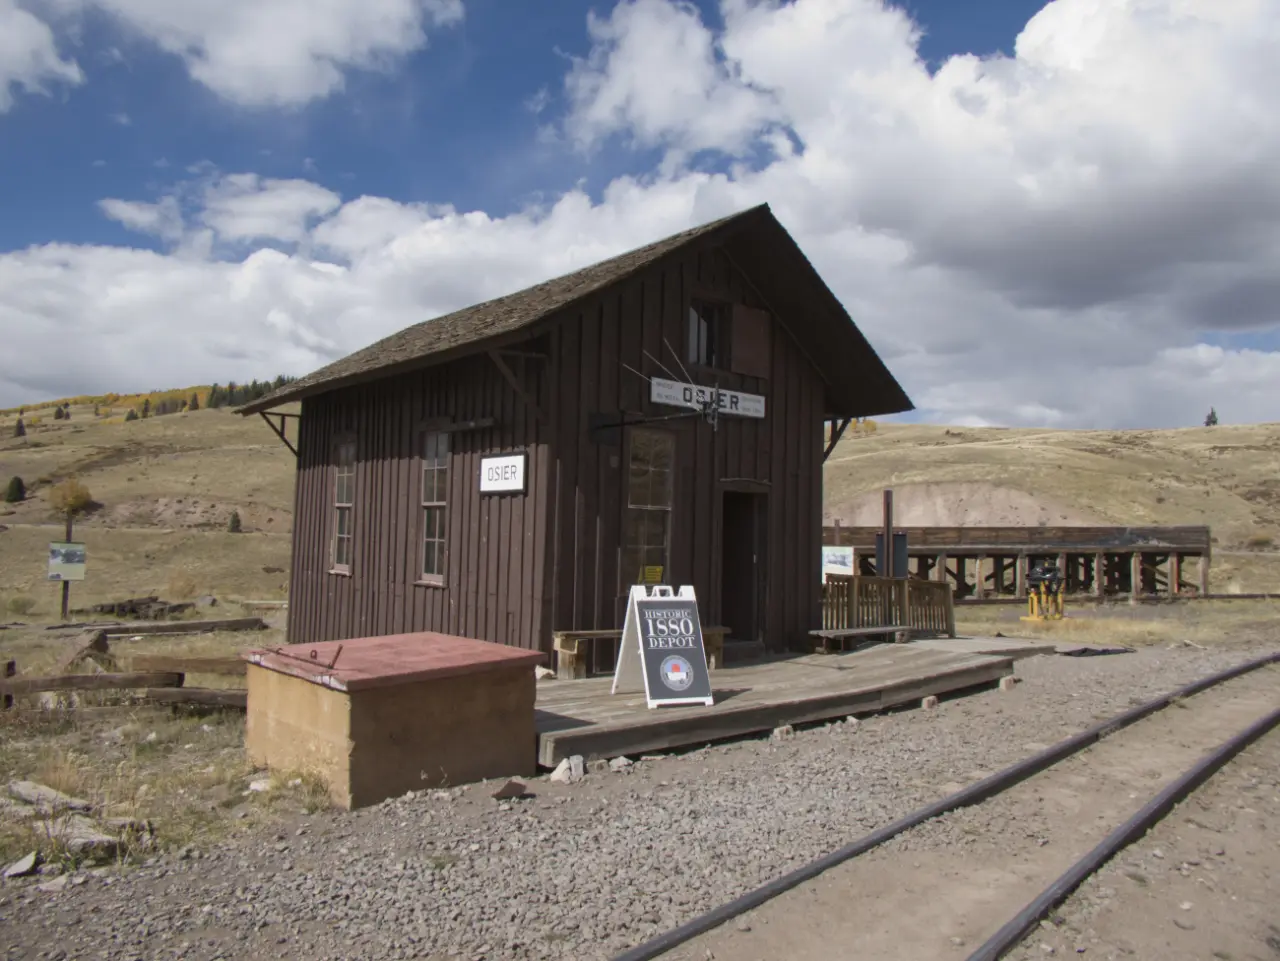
[742, 540]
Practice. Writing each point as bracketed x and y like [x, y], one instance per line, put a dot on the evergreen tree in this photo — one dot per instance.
[57, 413]
[132, 415]
[1212, 419]
[195, 402]
[233, 523]
[146, 407]
[16, 491]
[19, 429]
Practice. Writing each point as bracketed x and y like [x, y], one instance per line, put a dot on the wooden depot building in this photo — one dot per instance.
[510, 469]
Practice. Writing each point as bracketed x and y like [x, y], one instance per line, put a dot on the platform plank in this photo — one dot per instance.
[1015, 647]
[582, 717]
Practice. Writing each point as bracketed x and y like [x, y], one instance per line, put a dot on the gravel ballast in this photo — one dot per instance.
[580, 870]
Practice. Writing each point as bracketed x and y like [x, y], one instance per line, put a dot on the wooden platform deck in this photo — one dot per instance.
[582, 717]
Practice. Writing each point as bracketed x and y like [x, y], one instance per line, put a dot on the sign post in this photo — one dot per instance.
[66, 564]
[662, 649]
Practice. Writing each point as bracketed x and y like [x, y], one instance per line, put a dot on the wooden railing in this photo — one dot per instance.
[889, 602]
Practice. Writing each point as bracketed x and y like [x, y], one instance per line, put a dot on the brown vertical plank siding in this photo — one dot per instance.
[587, 606]
[382, 593]
[610, 465]
[521, 566]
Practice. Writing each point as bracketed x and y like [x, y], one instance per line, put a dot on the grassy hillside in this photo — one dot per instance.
[167, 485]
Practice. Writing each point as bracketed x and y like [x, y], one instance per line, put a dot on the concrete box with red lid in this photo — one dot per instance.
[375, 717]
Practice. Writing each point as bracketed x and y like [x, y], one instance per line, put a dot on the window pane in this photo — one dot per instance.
[660, 488]
[632, 566]
[343, 521]
[435, 452]
[634, 535]
[638, 491]
[342, 552]
[655, 528]
[662, 452]
[442, 484]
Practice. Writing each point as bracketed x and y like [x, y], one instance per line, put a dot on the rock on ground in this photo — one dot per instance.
[579, 870]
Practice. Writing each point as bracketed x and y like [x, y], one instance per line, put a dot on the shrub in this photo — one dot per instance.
[233, 523]
[57, 413]
[16, 491]
[132, 415]
[19, 429]
[21, 605]
[70, 497]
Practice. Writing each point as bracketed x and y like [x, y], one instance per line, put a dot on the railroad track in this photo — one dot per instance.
[1095, 793]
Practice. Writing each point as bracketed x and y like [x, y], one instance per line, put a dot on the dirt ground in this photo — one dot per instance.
[191, 782]
[940, 890]
[1203, 883]
[184, 771]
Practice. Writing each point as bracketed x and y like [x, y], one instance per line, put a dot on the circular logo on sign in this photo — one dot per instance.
[677, 673]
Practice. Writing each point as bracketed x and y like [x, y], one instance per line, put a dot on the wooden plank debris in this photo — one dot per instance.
[187, 627]
[228, 666]
[88, 682]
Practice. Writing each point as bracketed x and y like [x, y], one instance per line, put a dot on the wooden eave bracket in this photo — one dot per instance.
[279, 431]
[510, 377]
[838, 428]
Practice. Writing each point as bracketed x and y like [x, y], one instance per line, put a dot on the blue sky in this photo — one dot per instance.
[452, 124]
[252, 187]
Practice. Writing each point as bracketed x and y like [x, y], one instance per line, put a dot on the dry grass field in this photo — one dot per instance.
[164, 488]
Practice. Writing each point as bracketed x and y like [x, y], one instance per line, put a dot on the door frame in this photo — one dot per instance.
[761, 490]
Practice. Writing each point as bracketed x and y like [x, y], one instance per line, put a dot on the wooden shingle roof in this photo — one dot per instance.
[476, 325]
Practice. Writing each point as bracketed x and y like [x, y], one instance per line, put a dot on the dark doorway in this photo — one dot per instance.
[742, 541]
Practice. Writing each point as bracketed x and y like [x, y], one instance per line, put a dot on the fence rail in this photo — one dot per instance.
[888, 602]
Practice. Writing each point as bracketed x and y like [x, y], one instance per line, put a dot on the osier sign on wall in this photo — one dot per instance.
[503, 473]
[695, 397]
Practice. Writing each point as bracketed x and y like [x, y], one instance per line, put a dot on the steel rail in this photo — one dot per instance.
[975, 793]
[1025, 920]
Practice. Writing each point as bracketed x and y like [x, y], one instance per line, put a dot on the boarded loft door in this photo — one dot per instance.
[742, 533]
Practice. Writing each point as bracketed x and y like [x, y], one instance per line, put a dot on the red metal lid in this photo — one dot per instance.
[366, 662]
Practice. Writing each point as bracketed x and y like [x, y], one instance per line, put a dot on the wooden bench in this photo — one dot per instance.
[578, 652]
[838, 636]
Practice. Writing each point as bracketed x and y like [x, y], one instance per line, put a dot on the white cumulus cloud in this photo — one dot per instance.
[270, 53]
[1064, 236]
[29, 58]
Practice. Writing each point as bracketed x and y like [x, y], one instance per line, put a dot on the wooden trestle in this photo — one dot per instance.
[987, 562]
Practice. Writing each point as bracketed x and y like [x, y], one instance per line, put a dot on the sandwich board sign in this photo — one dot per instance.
[662, 649]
